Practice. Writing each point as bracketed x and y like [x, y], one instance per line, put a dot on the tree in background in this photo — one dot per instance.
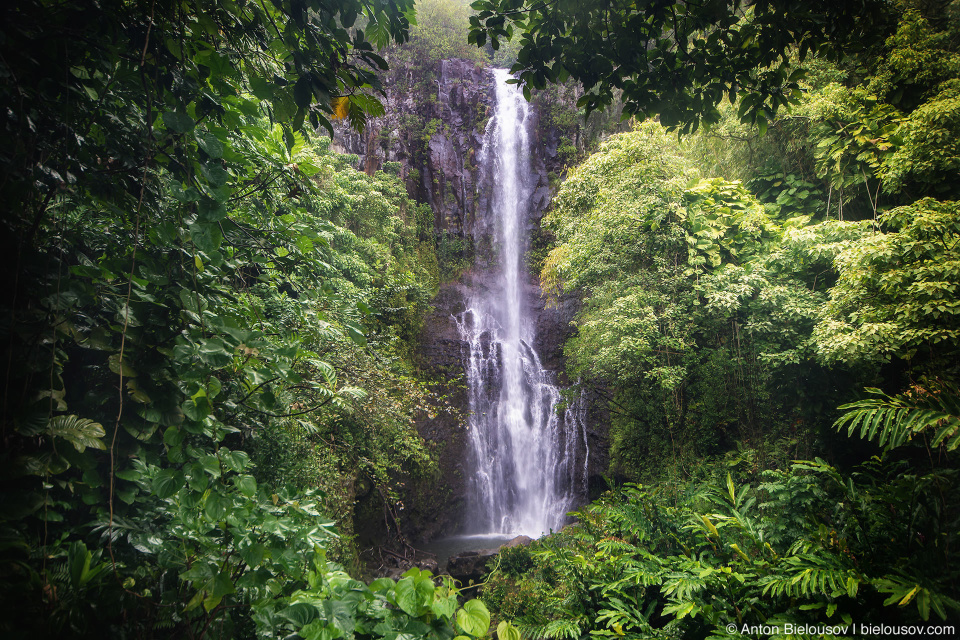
[441, 32]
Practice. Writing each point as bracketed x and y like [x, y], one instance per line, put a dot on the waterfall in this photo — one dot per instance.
[528, 458]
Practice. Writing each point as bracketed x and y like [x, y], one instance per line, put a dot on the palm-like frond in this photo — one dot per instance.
[895, 420]
[807, 575]
[566, 628]
[80, 432]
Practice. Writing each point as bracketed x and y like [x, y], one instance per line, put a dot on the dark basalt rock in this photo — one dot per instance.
[433, 126]
[470, 565]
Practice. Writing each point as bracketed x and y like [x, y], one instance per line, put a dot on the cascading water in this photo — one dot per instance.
[529, 460]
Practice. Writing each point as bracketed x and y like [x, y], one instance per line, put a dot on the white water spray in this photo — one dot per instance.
[529, 459]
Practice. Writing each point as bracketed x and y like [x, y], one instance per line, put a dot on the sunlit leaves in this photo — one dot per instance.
[896, 295]
[80, 432]
[474, 618]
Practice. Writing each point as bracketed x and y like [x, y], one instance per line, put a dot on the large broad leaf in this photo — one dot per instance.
[355, 332]
[474, 618]
[167, 483]
[506, 631]
[247, 485]
[178, 122]
[414, 595]
[212, 146]
[216, 506]
[206, 237]
[220, 586]
[444, 604]
[300, 614]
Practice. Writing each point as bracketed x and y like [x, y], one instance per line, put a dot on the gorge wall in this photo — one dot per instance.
[431, 134]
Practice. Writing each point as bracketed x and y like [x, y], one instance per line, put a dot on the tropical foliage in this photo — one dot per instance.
[207, 333]
[210, 328]
[805, 548]
[675, 60]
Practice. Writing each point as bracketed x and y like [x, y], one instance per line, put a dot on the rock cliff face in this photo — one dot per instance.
[434, 135]
[434, 127]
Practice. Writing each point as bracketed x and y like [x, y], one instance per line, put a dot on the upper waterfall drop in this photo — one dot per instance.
[528, 459]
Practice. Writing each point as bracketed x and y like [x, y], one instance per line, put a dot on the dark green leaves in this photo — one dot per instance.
[206, 236]
[675, 59]
[167, 482]
[178, 121]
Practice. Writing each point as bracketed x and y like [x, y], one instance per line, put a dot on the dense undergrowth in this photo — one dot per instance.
[208, 337]
[802, 548]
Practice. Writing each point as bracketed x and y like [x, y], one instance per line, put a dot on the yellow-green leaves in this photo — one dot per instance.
[80, 432]
[473, 618]
[897, 290]
[414, 593]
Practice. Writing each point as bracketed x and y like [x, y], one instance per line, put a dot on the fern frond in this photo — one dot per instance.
[80, 432]
[553, 630]
[894, 420]
[807, 575]
[683, 586]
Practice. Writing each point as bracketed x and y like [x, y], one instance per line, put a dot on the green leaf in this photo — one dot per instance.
[254, 554]
[178, 122]
[247, 485]
[506, 631]
[444, 606]
[206, 237]
[166, 483]
[300, 614]
[78, 563]
[119, 366]
[215, 507]
[407, 597]
[210, 145]
[474, 618]
[304, 244]
[219, 587]
[261, 88]
[355, 333]
[210, 210]
[80, 432]
[215, 174]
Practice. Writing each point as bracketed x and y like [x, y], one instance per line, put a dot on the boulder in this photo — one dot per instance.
[519, 541]
[428, 564]
[470, 565]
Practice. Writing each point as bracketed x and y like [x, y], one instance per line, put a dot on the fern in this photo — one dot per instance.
[895, 420]
[808, 575]
[80, 432]
[553, 630]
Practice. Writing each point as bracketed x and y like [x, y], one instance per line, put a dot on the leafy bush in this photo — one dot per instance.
[807, 546]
